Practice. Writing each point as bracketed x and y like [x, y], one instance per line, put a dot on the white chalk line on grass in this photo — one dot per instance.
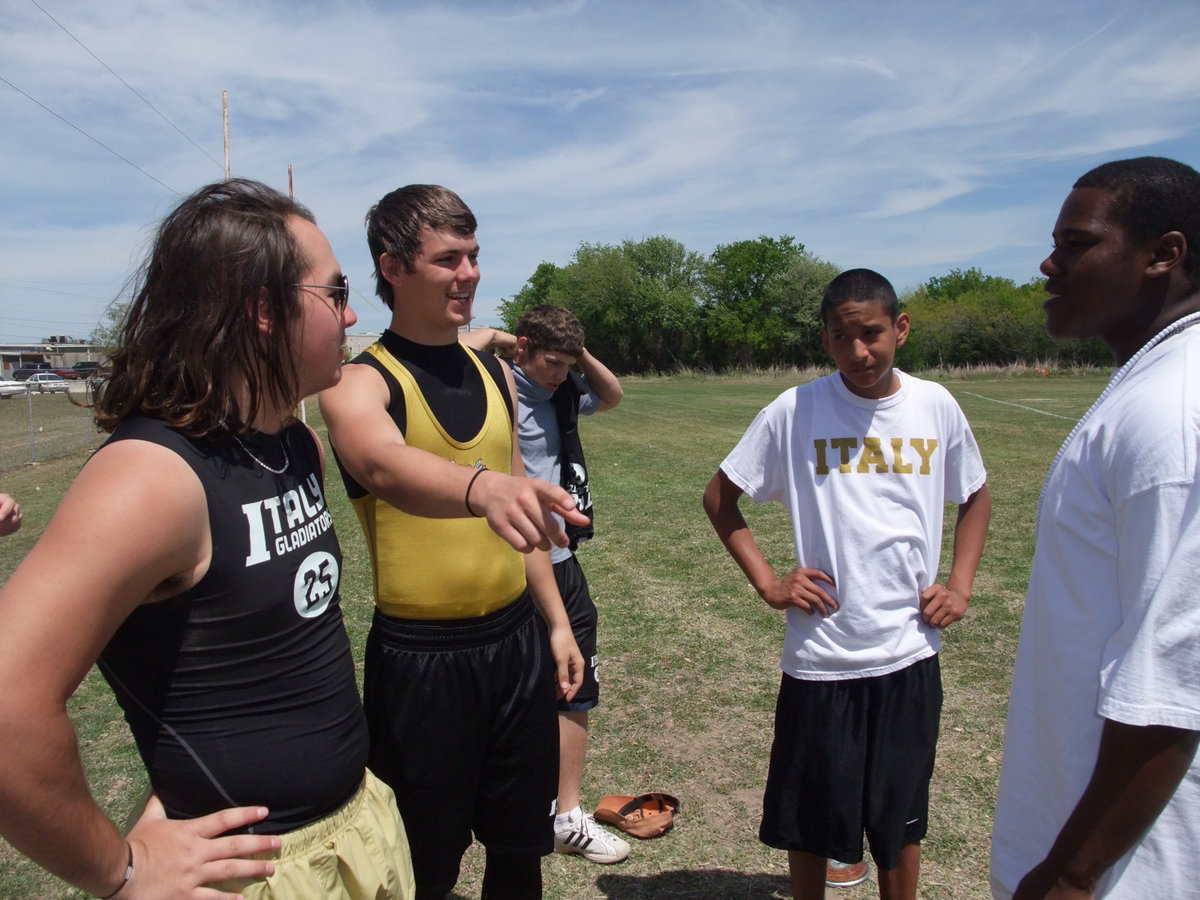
[1019, 406]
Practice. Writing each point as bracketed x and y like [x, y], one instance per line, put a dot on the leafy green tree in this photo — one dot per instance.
[799, 305]
[637, 301]
[535, 292]
[107, 335]
[968, 318]
[762, 303]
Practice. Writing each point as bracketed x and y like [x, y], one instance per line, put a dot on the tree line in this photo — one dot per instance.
[654, 306]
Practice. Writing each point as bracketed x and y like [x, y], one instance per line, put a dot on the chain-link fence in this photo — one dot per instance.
[37, 426]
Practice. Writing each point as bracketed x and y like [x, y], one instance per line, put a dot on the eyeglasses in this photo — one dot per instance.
[341, 292]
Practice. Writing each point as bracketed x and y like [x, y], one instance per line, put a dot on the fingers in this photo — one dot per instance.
[233, 868]
[577, 670]
[178, 857]
[522, 537]
[568, 683]
[520, 510]
[556, 498]
[808, 595]
[10, 515]
[818, 575]
[230, 819]
[941, 606]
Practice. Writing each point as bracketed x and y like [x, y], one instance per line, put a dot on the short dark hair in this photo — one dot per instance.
[191, 351]
[1151, 196]
[549, 327]
[859, 284]
[395, 223]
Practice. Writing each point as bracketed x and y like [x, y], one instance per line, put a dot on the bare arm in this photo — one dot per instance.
[543, 588]
[490, 340]
[602, 381]
[155, 543]
[942, 605]
[373, 450]
[1137, 771]
[798, 589]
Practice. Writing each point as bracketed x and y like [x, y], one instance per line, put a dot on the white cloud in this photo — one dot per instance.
[921, 136]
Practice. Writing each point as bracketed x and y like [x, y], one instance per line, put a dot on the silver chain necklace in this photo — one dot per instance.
[286, 462]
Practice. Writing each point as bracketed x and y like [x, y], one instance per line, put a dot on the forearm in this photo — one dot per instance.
[46, 809]
[422, 483]
[601, 380]
[721, 505]
[543, 589]
[970, 534]
[490, 340]
[1137, 771]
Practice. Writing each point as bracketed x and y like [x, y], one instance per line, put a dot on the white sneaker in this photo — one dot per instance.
[582, 835]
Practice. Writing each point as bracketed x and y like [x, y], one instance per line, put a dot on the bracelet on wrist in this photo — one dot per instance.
[471, 484]
[128, 872]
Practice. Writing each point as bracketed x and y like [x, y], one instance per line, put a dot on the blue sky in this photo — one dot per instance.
[910, 137]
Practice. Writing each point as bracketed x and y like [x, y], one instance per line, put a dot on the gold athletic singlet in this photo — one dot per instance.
[442, 568]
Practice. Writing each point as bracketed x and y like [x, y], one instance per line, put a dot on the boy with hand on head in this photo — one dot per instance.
[864, 460]
[549, 342]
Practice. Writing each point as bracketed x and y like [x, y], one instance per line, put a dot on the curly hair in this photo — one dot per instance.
[549, 327]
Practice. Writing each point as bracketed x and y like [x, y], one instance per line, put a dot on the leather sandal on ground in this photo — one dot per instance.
[644, 816]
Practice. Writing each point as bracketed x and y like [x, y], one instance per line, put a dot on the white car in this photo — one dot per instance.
[47, 381]
[12, 388]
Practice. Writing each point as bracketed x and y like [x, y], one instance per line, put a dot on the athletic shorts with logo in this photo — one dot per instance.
[851, 756]
[581, 610]
[463, 727]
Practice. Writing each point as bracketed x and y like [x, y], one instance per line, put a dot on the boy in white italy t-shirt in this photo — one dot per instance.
[864, 460]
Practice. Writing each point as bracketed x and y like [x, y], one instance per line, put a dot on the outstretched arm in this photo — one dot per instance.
[601, 380]
[799, 588]
[373, 450]
[1137, 771]
[942, 605]
[60, 608]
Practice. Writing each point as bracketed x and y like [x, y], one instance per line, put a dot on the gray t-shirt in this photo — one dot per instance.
[537, 430]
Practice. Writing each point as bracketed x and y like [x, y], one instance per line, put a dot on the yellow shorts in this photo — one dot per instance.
[359, 852]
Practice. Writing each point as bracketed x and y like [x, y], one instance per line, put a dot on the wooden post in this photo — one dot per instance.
[225, 124]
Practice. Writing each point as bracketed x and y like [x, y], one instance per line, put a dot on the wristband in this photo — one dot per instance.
[128, 872]
[471, 484]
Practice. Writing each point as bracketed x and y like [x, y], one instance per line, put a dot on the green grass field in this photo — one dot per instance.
[689, 653]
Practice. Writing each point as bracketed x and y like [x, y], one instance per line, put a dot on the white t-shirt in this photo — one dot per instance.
[1112, 620]
[865, 483]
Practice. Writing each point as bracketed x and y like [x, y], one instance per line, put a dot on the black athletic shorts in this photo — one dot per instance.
[581, 610]
[850, 756]
[463, 727]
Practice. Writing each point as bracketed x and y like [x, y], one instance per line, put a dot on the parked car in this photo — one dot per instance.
[31, 369]
[12, 388]
[86, 368]
[47, 382]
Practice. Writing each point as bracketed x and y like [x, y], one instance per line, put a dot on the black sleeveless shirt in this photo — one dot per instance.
[241, 691]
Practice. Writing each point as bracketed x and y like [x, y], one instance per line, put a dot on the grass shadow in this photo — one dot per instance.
[695, 884]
